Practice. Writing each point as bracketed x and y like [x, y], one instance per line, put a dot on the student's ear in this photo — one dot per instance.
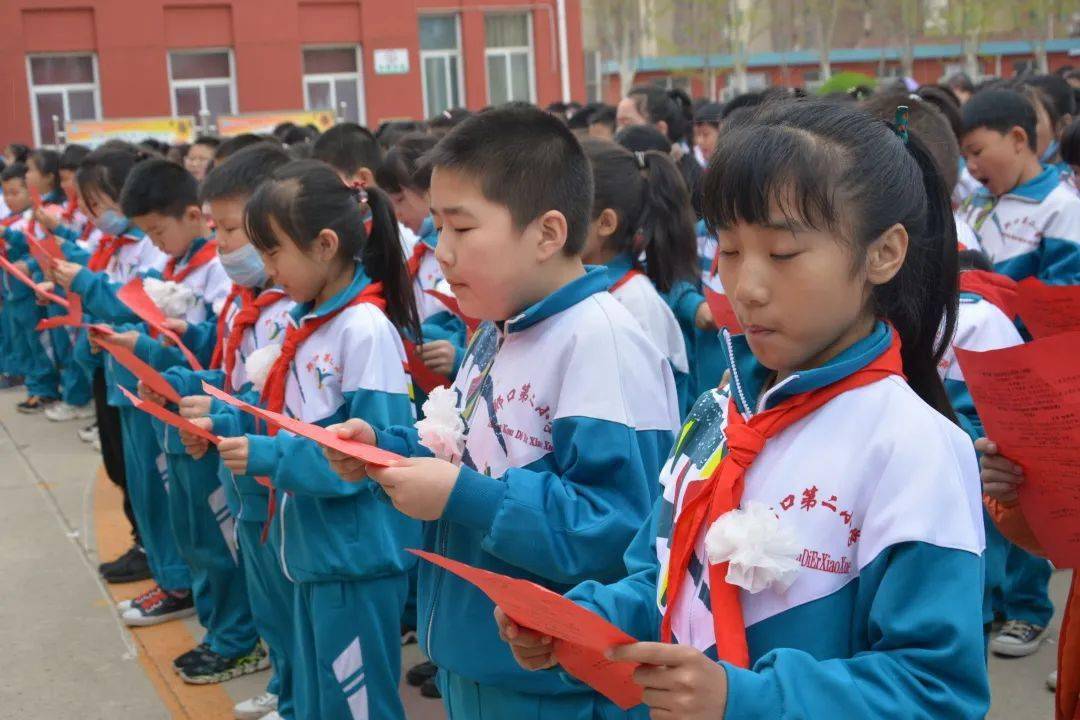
[662, 127]
[325, 245]
[552, 229]
[194, 214]
[885, 256]
[365, 177]
[1018, 137]
[607, 223]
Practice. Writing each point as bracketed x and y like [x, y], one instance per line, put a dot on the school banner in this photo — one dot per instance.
[265, 122]
[93, 133]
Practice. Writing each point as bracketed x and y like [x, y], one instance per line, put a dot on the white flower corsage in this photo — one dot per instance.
[442, 431]
[258, 364]
[173, 298]
[761, 552]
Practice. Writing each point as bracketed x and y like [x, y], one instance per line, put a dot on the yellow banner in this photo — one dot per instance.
[265, 122]
[93, 133]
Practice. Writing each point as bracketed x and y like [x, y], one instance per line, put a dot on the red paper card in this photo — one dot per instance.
[1048, 309]
[425, 378]
[45, 251]
[148, 375]
[722, 312]
[1028, 398]
[451, 304]
[134, 296]
[28, 281]
[73, 318]
[327, 438]
[581, 637]
[169, 417]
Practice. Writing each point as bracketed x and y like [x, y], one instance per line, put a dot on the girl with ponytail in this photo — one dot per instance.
[817, 543]
[642, 229]
[342, 356]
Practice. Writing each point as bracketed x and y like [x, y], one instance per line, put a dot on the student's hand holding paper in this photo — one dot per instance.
[147, 394]
[125, 339]
[703, 319]
[195, 406]
[234, 453]
[178, 326]
[680, 682]
[45, 287]
[63, 273]
[197, 446]
[46, 219]
[532, 650]
[438, 355]
[418, 487]
[1001, 477]
[346, 466]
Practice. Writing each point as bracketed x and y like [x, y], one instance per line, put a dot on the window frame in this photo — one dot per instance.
[445, 55]
[63, 89]
[357, 75]
[201, 84]
[507, 52]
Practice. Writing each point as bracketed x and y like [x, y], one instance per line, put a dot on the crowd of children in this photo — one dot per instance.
[526, 305]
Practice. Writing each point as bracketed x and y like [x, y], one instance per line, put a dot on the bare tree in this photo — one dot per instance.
[700, 28]
[970, 19]
[1041, 20]
[825, 13]
[620, 30]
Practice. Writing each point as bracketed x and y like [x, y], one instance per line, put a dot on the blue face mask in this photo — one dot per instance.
[111, 222]
[244, 266]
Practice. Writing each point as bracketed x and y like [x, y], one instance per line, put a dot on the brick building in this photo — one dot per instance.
[369, 60]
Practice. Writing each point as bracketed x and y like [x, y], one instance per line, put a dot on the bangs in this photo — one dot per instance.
[270, 205]
[760, 170]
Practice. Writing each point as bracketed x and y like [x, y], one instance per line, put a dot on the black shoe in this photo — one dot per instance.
[191, 657]
[157, 607]
[430, 690]
[129, 567]
[212, 668]
[34, 404]
[420, 674]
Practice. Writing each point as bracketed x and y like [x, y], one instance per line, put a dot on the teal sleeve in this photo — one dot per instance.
[99, 297]
[925, 657]
[1059, 261]
[66, 233]
[401, 439]
[201, 338]
[571, 519]
[684, 299]
[298, 465]
[964, 406]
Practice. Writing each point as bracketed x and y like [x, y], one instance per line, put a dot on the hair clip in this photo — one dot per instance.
[447, 114]
[359, 193]
[640, 156]
[902, 123]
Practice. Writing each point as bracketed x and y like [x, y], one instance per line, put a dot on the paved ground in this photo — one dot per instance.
[66, 655]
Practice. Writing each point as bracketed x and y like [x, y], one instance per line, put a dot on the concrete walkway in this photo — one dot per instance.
[65, 654]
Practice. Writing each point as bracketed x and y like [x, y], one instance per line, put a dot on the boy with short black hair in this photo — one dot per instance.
[1027, 221]
[352, 151]
[559, 458]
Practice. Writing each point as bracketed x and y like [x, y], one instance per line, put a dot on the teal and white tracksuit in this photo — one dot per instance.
[641, 298]
[1031, 231]
[18, 350]
[883, 493]
[1017, 582]
[341, 543]
[557, 476]
[269, 594]
[437, 323]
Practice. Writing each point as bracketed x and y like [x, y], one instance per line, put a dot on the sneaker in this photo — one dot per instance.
[408, 637]
[125, 605]
[129, 567]
[273, 716]
[10, 381]
[34, 404]
[63, 412]
[89, 433]
[1017, 638]
[420, 674]
[260, 706]
[191, 656]
[96, 444]
[430, 690]
[159, 607]
[1051, 681]
[211, 668]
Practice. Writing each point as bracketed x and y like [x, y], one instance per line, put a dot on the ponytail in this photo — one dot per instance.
[648, 195]
[922, 299]
[384, 261]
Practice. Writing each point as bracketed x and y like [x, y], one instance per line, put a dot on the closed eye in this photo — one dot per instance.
[786, 256]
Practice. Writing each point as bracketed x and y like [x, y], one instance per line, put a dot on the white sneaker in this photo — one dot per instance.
[62, 412]
[261, 706]
[89, 433]
[273, 716]
[96, 444]
[1051, 682]
[1017, 638]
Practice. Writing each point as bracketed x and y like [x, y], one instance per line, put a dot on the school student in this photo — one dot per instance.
[17, 352]
[341, 546]
[1026, 220]
[568, 407]
[837, 249]
[642, 229]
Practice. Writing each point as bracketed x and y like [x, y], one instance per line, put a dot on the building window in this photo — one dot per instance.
[200, 81]
[332, 82]
[64, 86]
[509, 54]
[440, 63]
